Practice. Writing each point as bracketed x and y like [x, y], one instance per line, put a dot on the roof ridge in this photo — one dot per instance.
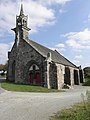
[65, 58]
[41, 45]
[56, 56]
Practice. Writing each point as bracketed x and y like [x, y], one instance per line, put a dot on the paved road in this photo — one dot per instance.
[1, 80]
[1, 91]
[36, 106]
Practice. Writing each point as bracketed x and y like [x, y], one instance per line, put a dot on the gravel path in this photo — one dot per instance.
[36, 106]
[2, 80]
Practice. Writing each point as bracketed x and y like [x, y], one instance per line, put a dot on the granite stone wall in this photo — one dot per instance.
[24, 56]
[53, 75]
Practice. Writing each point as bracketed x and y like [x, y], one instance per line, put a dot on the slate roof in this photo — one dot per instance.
[55, 55]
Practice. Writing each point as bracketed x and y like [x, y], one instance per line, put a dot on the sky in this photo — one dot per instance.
[63, 25]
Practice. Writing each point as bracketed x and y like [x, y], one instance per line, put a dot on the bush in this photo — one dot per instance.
[87, 72]
[87, 82]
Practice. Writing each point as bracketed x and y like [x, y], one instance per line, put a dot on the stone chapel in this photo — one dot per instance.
[34, 64]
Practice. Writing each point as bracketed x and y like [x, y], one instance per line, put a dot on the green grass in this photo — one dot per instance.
[26, 88]
[87, 82]
[77, 112]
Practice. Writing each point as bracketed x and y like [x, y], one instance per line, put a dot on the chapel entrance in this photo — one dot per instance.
[34, 75]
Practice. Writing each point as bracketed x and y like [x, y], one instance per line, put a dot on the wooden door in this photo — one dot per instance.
[38, 81]
[34, 78]
[31, 78]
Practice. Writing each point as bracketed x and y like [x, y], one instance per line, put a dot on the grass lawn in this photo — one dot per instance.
[77, 112]
[26, 88]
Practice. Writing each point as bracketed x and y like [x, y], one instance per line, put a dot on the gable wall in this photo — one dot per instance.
[25, 54]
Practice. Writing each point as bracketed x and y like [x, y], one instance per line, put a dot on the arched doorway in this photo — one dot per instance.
[34, 77]
[67, 76]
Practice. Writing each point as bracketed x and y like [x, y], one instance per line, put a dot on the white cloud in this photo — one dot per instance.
[76, 62]
[89, 17]
[3, 51]
[62, 11]
[78, 57]
[38, 11]
[59, 47]
[78, 40]
[39, 15]
[51, 2]
[79, 44]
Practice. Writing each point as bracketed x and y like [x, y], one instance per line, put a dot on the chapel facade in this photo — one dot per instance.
[35, 64]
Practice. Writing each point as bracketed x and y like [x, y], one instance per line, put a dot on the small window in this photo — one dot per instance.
[34, 67]
[24, 21]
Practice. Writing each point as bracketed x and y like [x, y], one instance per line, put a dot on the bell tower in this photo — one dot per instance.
[21, 30]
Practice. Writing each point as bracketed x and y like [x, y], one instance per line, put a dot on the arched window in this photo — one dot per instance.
[34, 67]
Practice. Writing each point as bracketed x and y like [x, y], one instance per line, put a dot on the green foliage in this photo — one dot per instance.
[87, 76]
[3, 67]
[87, 82]
[87, 72]
[26, 88]
[79, 111]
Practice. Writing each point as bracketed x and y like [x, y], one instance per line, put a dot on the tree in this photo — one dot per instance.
[3, 67]
[87, 72]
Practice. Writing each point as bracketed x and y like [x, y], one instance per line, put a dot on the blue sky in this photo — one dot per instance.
[58, 24]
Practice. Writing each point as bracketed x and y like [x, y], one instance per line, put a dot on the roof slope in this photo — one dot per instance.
[55, 56]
